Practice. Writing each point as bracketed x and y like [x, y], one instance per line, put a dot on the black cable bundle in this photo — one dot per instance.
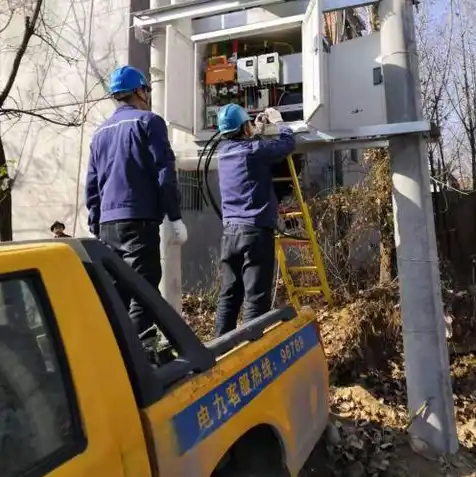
[213, 143]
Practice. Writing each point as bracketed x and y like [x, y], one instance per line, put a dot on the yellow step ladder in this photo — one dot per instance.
[282, 240]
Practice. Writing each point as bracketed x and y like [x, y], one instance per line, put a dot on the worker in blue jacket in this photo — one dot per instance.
[131, 183]
[250, 213]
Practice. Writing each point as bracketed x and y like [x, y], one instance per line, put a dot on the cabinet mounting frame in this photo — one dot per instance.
[308, 140]
[160, 17]
[145, 20]
[308, 136]
[201, 8]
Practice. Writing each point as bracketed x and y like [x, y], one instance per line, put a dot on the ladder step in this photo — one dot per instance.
[307, 268]
[285, 210]
[283, 179]
[307, 290]
[294, 242]
[290, 215]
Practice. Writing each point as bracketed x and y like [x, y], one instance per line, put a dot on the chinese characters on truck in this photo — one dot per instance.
[208, 413]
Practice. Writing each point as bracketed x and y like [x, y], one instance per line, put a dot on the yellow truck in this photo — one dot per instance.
[80, 397]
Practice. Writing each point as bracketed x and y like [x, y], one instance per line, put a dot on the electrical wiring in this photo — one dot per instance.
[208, 160]
[282, 43]
[199, 164]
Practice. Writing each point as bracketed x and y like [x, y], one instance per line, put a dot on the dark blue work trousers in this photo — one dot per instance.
[137, 242]
[247, 271]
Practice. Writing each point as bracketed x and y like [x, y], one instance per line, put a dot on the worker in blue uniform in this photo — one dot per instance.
[131, 183]
[250, 213]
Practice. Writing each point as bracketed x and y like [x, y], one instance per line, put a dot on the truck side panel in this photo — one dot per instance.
[110, 425]
[280, 380]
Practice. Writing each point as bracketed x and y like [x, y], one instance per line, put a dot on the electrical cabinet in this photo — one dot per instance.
[274, 63]
[276, 57]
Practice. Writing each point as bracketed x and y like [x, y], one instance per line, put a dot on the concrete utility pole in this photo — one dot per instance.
[426, 351]
[170, 254]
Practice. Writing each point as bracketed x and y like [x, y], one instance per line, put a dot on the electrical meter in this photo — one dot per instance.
[268, 68]
[247, 71]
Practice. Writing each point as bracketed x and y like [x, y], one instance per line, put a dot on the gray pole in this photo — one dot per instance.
[170, 254]
[426, 353]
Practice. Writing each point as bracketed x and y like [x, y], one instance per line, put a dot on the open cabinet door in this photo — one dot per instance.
[179, 79]
[312, 60]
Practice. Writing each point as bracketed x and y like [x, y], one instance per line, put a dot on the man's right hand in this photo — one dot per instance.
[273, 115]
[260, 122]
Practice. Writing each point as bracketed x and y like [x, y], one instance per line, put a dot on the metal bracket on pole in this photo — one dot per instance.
[335, 5]
[310, 139]
[306, 135]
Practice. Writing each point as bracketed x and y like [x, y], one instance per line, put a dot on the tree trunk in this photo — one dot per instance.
[386, 247]
[6, 231]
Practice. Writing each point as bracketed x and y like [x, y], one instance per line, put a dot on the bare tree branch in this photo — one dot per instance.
[18, 112]
[9, 20]
[30, 24]
[50, 43]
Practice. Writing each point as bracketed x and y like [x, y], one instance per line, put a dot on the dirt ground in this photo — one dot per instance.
[368, 435]
[368, 432]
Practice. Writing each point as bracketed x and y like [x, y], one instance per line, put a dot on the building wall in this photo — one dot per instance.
[47, 159]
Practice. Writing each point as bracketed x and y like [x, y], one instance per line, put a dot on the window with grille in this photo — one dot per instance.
[189, 184]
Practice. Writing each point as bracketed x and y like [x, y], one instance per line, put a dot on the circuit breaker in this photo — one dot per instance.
[268, 69]
[247, 71]
[256, 73]
[263, 98]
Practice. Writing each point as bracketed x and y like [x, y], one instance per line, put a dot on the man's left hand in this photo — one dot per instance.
[94, 230]
[179, 232]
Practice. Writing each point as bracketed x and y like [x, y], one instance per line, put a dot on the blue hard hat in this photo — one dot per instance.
[231, 117]
[127, 79]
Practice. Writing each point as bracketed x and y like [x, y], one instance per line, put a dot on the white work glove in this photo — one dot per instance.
[273, 115]
[179, 232]
[260, 122]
